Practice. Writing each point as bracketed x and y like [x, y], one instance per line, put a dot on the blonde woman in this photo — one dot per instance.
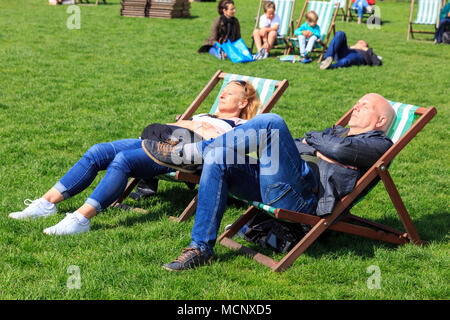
[126, 158]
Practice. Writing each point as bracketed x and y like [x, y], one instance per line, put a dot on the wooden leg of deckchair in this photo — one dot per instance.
[188, 212]
[239, 223]
[226, 241]
[130, 186]
[398, 204]
[381, 233]
[374, 224]
[303, 244]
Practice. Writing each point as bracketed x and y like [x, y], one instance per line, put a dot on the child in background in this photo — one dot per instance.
[266, 35]
[307, 34]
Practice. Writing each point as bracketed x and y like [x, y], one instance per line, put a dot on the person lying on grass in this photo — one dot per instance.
[358, 54]
[279, 177]
[238, 102]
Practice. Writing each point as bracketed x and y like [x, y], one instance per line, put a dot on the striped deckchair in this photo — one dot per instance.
[285, 10]
[327, 12]
[269, 92]
[404, 128]
[427, 14]
[342, 8]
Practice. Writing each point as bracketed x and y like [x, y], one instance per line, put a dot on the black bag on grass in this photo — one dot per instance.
[270, 233]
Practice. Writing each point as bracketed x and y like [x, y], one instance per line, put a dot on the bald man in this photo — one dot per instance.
[280, 177]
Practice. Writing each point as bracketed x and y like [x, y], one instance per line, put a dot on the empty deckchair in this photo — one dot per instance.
[402, 131]
[285, 10]
[327, 17]
[427, 14]
[269, 92]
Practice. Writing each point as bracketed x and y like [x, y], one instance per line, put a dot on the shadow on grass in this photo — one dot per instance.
[432, 227]
[160, 206]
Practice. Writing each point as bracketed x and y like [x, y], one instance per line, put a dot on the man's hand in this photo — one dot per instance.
[329, 160]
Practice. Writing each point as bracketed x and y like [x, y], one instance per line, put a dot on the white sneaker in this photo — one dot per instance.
[35, 209]
[325, 64]
[69, 225]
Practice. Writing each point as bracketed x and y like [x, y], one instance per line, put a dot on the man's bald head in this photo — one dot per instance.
[371, 112]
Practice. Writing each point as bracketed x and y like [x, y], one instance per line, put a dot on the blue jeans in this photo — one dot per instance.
[281, 180]
[441, 29]
[360, 5]
[339, 51]
[122, 159]
[306, 44]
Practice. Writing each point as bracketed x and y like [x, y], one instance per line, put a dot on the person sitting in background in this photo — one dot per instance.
[308, 33]
[266, 35]
[444, 21]
[225, 27]
[361, 6]
[358, 54]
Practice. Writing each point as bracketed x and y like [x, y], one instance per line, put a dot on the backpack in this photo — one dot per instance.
[270, 233]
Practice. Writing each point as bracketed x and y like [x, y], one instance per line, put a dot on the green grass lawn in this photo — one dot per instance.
[63, 90]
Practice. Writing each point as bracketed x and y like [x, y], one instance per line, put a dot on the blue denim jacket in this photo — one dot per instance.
[360, 151]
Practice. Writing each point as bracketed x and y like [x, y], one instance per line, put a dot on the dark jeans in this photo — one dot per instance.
[279, 178]
[441, 29]
[339, 51]
[121, 159]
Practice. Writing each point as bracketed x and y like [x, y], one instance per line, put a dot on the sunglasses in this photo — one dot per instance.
[242, 83]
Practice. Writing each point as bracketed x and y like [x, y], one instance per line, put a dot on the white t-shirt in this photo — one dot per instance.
[220, 125]
[264, 22]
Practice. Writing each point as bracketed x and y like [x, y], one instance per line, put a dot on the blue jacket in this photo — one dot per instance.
[307, 27]
[360, 151]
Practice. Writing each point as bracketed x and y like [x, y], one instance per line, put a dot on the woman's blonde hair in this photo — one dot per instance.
[253, 102]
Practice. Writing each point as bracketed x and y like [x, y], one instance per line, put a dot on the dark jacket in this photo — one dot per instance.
[360, 151]
[370, 58]
[219, 31]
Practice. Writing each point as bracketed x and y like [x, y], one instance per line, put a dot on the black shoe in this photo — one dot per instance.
[168, 155]
[189, 259]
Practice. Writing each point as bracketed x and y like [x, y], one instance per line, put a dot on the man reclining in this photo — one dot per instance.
[280, 177]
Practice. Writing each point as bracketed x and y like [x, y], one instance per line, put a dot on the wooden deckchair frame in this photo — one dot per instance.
[411, 22]
[280, 86]
[347, 223]
[332, 27]
[286, 37]
[343, 10]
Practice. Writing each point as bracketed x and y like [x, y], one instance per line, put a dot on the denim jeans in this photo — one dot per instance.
[360, 5]
[122, 159]
[306, 44]
[441, 29]
[282, 180]
[344, 56]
